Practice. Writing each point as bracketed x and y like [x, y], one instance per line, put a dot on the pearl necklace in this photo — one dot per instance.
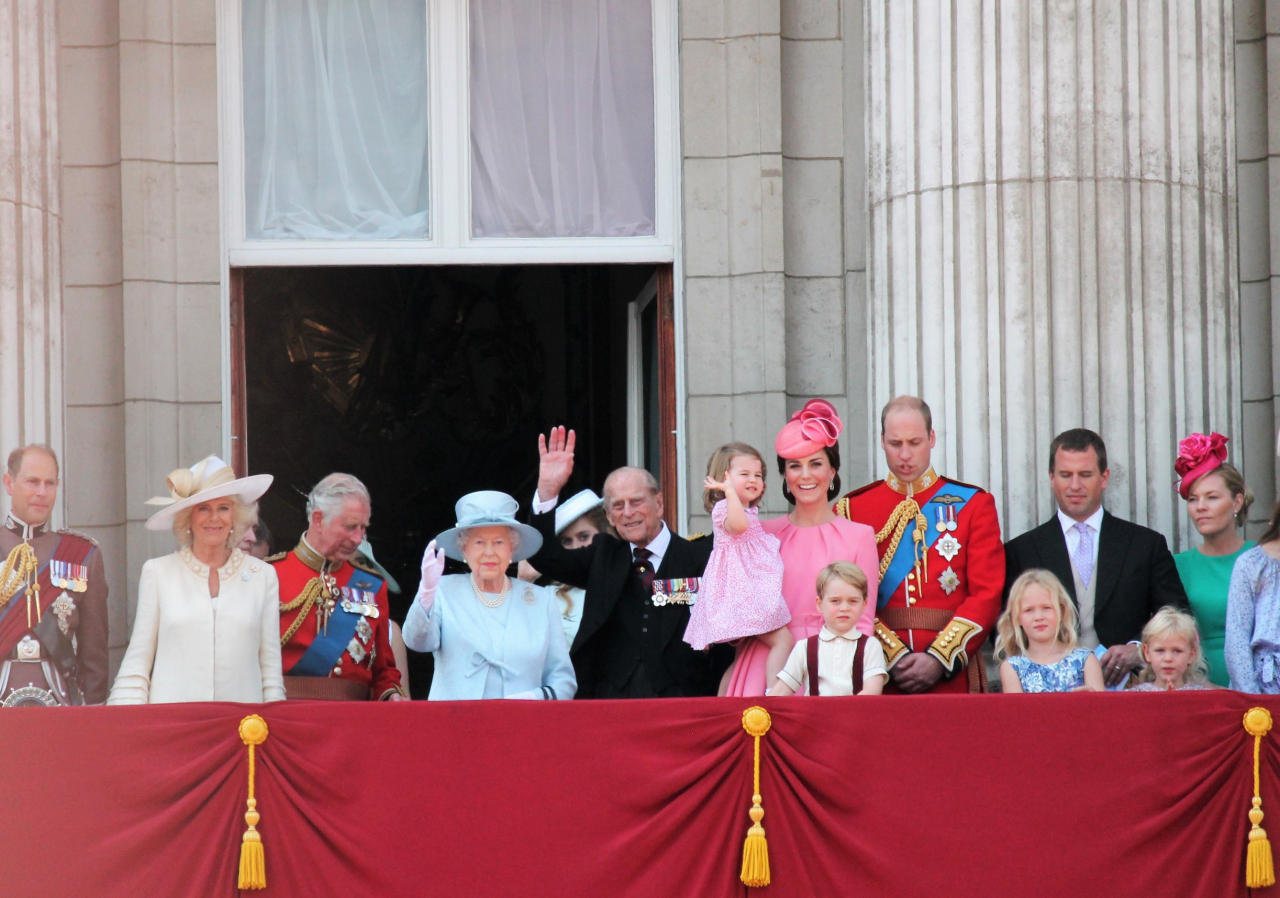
[485, 600]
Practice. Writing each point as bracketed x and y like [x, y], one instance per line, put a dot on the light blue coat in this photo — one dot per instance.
[507, 652]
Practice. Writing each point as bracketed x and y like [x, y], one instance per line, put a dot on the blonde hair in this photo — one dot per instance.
[845, 571]
[243, 516]
[718, 466]
[1010, 638]
[1170, 621]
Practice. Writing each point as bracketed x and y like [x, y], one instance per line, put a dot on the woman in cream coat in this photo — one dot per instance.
[208, 622]
[492, 637]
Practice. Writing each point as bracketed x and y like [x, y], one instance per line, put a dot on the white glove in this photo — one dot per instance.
[432, 571]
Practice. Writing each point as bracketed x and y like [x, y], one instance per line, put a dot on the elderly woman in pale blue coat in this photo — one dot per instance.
[492, 636]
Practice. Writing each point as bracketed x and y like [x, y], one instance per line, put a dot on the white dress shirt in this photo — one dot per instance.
[835, 663]
[1093, 522]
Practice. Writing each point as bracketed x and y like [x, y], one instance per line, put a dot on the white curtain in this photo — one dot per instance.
[562, 134]
[335, 118]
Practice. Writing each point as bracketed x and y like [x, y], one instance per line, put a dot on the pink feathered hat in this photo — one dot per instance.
[1199, 454]
[814, 427]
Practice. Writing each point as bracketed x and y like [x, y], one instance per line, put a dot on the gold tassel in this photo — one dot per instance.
[755, 852]
[253, 861]
[1259, 870]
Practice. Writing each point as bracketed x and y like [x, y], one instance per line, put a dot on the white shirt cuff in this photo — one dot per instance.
[540, 507]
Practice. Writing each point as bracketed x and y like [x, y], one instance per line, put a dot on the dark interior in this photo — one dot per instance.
[428, 383]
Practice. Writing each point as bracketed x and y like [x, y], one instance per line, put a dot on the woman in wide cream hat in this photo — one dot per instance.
[208, 619]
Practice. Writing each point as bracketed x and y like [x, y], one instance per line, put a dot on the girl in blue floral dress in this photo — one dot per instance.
[1036, 640]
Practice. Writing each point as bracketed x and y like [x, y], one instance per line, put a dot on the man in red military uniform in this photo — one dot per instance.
[53, 595]
[333, 612]
[941, 560]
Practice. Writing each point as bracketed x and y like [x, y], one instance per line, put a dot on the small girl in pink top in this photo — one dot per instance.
[741, 590]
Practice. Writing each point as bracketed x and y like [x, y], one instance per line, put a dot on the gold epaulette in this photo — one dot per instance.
[695, 536]
[279, 556]
[949, 646]
[842, 508]
[76, 533]
[894, 648]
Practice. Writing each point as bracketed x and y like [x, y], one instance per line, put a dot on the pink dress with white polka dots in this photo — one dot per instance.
[741, 590]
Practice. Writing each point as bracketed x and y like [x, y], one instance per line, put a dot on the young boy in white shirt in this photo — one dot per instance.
[847, 662]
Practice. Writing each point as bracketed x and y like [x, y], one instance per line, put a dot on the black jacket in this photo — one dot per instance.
[1135, 573]
[605, 646]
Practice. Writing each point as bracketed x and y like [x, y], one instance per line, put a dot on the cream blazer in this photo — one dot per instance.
[188, 648]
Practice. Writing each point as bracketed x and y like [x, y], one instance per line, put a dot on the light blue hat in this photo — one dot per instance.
[489, 508]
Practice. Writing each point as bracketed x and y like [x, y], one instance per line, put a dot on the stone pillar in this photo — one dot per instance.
[1052, 201]
[733, 233]
[1257, 128]
[30, 227]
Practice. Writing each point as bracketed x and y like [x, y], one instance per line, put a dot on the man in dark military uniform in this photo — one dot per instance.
[53, 595]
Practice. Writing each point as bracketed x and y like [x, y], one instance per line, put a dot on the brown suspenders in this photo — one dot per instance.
[812, 651]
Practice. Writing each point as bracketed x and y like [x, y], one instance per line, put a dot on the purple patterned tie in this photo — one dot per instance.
[1082, 558]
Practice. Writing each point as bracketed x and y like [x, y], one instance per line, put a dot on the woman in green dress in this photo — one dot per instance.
[1217, 501]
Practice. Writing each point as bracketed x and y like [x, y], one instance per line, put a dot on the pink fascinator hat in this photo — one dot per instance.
[814, 427]
[1198, 454]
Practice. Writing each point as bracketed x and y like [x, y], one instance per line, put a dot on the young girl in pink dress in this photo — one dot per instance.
[741, 590]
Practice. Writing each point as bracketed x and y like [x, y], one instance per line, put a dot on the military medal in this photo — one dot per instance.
[948, 547]
[363, 630]
[949, 581]
[659, 593]
[683, 591]
[357, 650]
[946, 519]
[62, 606]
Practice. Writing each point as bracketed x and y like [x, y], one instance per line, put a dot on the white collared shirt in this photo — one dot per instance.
[1093, 522]
[657, 546]
[835, 663]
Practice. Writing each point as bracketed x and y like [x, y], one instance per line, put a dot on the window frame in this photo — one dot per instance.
[451, 242]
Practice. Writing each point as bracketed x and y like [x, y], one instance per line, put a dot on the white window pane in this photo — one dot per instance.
[562, 133]
[335, 119]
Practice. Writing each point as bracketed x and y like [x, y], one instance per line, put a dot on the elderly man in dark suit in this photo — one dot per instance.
[630, 643]
[1118, 573]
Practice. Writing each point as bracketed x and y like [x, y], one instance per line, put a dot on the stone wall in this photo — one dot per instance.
[773, 225]
[141, 251]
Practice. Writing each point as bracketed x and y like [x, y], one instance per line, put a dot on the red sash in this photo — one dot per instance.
[812, 651]
[13, 623]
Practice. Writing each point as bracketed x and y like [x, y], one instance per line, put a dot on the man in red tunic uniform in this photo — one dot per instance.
[333, 612]
[941, 560]
[53, 595]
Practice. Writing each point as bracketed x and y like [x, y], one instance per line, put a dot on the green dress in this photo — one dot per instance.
[1207, 579]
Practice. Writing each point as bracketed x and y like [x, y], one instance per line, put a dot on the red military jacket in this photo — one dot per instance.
[949, 599]
[367, 659]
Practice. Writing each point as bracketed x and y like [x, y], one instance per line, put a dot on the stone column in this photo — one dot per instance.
[733, 233]
[30, 227]
[1052, 201]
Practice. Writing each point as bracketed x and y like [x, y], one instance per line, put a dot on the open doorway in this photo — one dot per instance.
[430, 382]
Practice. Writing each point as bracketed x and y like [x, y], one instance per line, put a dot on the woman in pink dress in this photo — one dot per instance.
[811, 536]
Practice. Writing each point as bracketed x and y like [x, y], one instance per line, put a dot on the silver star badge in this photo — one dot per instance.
[949, 581]
[948, 547]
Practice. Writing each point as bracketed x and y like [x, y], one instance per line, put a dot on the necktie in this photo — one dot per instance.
[644, 570]
[1082, 558]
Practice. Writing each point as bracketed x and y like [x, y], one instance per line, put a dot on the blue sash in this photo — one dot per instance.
[951, 495]
[327, 648]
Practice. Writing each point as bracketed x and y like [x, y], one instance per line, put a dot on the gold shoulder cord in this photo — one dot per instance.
[20, 569]
[307, 600]
[908, 510]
